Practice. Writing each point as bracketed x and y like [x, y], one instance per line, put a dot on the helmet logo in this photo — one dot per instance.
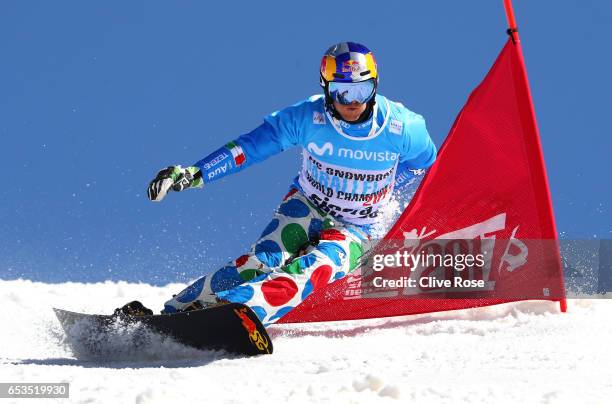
[352, 66]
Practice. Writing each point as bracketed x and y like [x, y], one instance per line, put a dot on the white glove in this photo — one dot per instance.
[174, 178]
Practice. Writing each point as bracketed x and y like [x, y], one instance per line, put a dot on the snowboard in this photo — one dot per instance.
[231, 327]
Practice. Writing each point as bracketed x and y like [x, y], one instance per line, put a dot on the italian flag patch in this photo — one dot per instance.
[237, 153]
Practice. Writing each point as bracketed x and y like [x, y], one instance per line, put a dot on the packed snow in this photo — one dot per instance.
[522, 352]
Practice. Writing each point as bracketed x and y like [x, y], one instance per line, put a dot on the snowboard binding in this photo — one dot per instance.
[134, 308]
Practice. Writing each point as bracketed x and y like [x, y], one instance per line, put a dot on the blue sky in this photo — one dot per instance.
[96, 97]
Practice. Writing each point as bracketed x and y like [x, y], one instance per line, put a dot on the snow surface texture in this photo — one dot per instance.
[523, 352]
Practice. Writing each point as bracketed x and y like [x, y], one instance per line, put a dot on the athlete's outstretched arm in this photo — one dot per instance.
[276, 134]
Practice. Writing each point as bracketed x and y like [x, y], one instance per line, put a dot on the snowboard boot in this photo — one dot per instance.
[134, 308]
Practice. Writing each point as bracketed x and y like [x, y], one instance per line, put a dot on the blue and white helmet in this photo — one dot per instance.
[348, 74]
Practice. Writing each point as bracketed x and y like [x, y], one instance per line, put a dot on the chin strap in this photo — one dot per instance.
[338, 126]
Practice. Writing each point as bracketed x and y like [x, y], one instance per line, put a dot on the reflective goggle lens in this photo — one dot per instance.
[347, 93]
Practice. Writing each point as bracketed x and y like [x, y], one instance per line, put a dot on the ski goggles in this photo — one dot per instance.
[347, 93]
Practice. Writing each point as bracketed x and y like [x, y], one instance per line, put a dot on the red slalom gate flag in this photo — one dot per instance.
[487, 195]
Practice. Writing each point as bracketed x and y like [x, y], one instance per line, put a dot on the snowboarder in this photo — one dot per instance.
[357, 147]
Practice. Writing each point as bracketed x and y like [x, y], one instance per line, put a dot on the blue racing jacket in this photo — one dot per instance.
[348, 170]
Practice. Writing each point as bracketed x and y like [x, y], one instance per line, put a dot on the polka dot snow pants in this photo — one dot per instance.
[301, 250]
